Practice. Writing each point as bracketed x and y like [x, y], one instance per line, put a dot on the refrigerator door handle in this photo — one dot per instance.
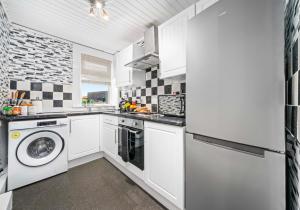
[251, 150]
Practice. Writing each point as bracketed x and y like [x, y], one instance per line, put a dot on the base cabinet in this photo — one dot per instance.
[109, 135]
[84, 136]
[164, 163]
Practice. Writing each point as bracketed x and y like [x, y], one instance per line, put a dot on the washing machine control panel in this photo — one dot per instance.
[46, 123]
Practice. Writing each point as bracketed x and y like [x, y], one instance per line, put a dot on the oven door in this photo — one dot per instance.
[136, 147]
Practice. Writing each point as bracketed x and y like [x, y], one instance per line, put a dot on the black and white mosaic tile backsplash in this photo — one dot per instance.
[148, 95]
[4, 45]
[36, 63]
[53, 96]
[39, 57]
[292, 67]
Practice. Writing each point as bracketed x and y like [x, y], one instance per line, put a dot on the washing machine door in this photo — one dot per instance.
[40, 148]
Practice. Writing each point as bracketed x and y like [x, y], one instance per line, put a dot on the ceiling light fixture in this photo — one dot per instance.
[104, 14]
[99, 4]
[92, 11]
[98, 7]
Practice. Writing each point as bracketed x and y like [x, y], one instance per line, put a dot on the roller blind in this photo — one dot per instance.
[94, 69]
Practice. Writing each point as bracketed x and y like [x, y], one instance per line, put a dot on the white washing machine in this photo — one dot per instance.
[37, 150]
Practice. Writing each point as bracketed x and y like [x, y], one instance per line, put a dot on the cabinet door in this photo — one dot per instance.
[172, 44]
[123, 73]
[84, 136]
[164, 167]
[109, 138]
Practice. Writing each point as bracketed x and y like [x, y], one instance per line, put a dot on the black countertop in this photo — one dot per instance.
[177, 121]
[33, 117]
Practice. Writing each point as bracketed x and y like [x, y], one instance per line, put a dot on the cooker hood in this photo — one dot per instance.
[150, 57]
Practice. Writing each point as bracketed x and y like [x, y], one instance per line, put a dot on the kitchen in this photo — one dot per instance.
[173, 104]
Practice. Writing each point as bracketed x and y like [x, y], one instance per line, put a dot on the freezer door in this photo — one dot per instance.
[235, 73]
[222, 176]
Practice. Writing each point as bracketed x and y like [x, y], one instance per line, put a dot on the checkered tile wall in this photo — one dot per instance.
[41, 66]
[53, 96]
[147, 95]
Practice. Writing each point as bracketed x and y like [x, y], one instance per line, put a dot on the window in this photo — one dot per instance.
[95, 80]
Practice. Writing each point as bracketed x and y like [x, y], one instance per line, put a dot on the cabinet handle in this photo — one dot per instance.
[115, 136]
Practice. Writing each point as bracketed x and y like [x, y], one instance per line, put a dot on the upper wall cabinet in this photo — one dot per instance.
[172, 44]
[204, 4]
[127, 76]
[123, 73]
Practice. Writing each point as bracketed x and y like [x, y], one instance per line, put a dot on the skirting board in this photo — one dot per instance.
[85, 159]
[142, 184]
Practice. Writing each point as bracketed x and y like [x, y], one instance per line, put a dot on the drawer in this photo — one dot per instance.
[113, 120]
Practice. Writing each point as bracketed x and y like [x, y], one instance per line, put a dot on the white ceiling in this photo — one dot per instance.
[69, 19]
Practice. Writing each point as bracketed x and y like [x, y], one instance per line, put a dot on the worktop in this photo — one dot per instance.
[177, 121]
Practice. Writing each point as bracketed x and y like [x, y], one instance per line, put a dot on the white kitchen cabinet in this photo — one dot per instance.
[127, 76]
[164, 161]
[109, 135]
[204, 4]
[172, 43]
[84, 136]
[123, 73]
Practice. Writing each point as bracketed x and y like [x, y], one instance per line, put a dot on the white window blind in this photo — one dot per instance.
[94, 69]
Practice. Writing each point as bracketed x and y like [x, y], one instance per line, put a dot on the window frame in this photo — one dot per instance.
[78, 51]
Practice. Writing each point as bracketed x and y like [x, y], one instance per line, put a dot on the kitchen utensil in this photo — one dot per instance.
[16, 94]
[21, 98]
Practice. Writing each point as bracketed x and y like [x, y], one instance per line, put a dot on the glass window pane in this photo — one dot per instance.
[95, 92]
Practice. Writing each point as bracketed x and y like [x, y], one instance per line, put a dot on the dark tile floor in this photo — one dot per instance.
[96, 185]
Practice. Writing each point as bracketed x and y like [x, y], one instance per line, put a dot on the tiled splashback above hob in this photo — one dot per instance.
[147, 95]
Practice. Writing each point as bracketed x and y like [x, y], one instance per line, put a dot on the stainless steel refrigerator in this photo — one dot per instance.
[235, 143]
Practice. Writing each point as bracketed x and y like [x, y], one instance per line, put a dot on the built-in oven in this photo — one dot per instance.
[131, 141]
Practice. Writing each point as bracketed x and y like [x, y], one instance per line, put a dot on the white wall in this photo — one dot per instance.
[77, 51]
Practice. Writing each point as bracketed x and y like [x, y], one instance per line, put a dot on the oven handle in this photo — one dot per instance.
[135, 132]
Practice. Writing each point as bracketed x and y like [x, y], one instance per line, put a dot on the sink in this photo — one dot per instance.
[44, 113]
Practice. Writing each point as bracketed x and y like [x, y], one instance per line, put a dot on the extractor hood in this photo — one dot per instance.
[150, 57]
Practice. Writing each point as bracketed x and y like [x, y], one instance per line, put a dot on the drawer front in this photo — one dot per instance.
[113, 120]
